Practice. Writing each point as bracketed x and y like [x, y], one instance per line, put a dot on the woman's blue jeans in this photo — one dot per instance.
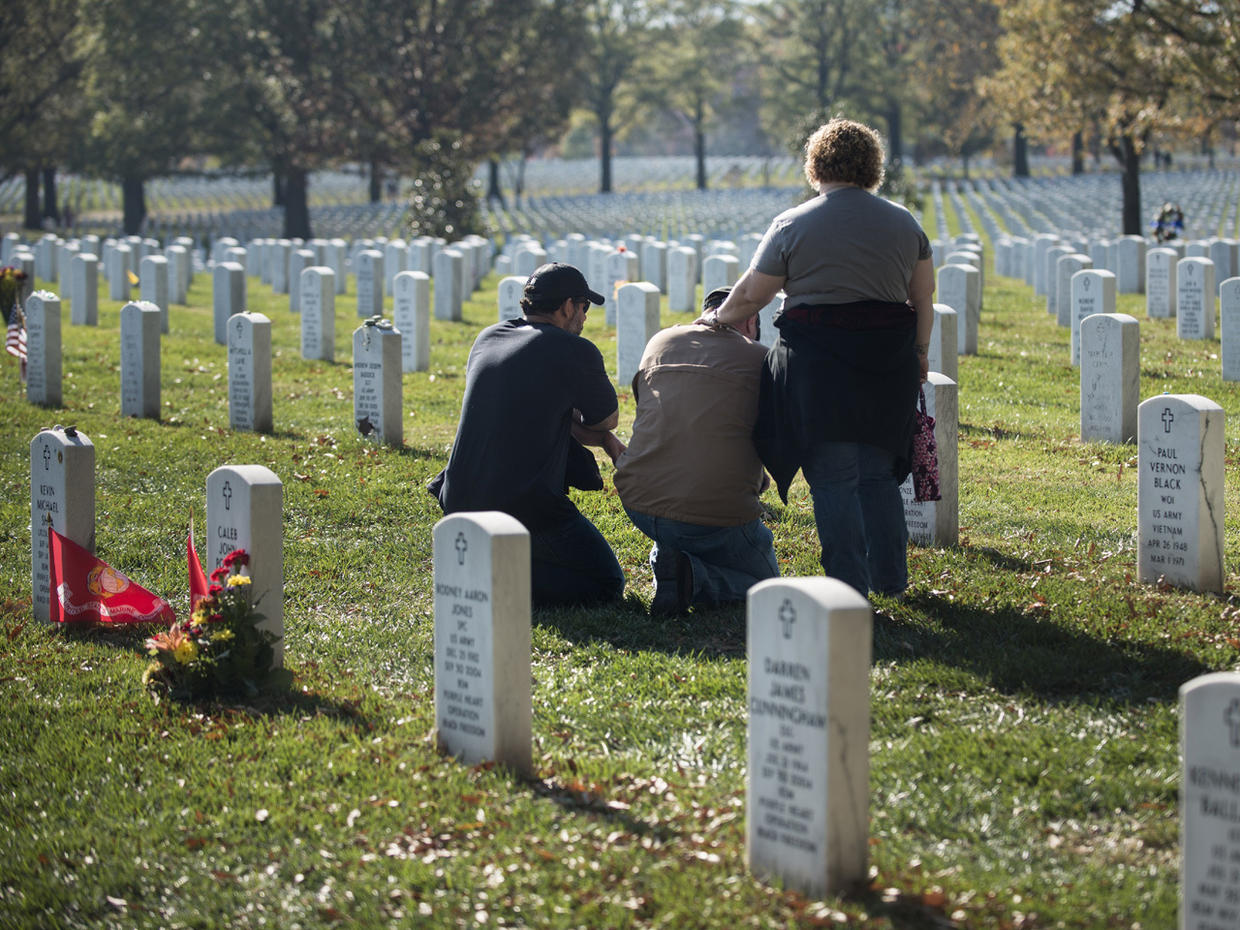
[860, 515]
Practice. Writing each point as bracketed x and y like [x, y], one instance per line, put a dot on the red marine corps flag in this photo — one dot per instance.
[197, 577]
[85, 589]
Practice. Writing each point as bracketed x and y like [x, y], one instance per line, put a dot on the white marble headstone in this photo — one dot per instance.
[1110, 377]
[140, 360]
[153, 286]
[448, 297]
[249, 372]
[318, 313]
[43, 349]
[227, 296]
[377, 394]
[959, 286]
[62, 496]
[511, 288]
[1210, 802]
[1180, 491]
[84, 306]
[1160, 287]
[1093, 291]
[369, 273]
[1130, 268]
[719, 271]
[411, 300]
[681, 279]
[245, 510]
[637, 319]
[937, 523]
[1195, 298]
[482, 639]
[1229, 328]
[944, 356]
[807, 809]
[1067, 266]
[620, 269]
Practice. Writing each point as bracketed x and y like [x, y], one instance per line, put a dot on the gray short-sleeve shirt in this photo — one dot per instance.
[841, 247]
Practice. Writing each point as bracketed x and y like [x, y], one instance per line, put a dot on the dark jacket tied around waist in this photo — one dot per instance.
[842, 373]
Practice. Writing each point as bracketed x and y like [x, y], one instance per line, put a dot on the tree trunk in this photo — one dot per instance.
[519, 188]
[604, 153]
[133, 194]
[1131, 183]
[699, 153]
[495, 190]
[296, 209]
[1078, 152]
[34, 218]
[277, 187]
[376, 181]
[895, 132]
[50, 202]
[1020, 152]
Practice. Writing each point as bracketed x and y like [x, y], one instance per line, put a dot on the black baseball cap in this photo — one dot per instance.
[714, 300]
[557, 282]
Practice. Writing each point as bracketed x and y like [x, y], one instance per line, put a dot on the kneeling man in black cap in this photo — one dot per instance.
[535, 391]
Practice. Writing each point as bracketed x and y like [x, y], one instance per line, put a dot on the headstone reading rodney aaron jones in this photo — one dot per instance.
[62, 496]
[1180, 491]
[1210, 802]
[245, 510]
[807, 811]
[482, 638]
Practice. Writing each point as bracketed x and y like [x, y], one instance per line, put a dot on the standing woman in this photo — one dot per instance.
[840, 386]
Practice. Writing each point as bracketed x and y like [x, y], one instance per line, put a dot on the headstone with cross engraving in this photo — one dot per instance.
[1194, 300]
[245, 510]
[318, 313]
[1093, 291]
[1180, 491]
[62, 496]
[511, 289]
[1067, 267]
[1110, 377]
[140, 360]
[1210, 802]
[377, 382]
[681, 279]
[937, 523]
[637, 319]
[43, 356]
[411, 302]
[809, 731]
[227, 296]
[482, 638]
[249, 372]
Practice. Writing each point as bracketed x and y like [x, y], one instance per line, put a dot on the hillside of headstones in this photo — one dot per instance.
[809, 639]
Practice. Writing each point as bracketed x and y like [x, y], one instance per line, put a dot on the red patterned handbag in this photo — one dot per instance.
[925, 465]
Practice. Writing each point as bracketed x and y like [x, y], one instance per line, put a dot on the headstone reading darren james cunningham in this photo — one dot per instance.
[318, 313]
[43, 355]
[62, 496]
[937, 523]
[1210, 802]
[249, 372]
[411, 303]
[245, 510]
[482, 638]
[1180, 491]
[140, 360]
[807, 808]
[377, 390]
[1110, 377]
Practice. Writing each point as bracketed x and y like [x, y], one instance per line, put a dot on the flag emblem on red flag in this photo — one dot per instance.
[86, 589]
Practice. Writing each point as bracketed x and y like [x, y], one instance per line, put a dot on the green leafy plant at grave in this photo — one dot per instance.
[220, 651]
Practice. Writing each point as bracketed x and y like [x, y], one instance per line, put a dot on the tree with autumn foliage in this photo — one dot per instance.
[1068, 64]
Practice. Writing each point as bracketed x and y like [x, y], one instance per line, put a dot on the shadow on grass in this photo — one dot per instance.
[709, 632]
[1027, 652]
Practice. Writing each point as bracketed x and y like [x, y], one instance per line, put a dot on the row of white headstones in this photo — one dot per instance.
[809, 642]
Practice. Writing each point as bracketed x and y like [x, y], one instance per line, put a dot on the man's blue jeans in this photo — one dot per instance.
[573, 564]
[727, 560]
[860, 515]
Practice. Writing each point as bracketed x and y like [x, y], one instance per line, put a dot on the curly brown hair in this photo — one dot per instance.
[842, 150]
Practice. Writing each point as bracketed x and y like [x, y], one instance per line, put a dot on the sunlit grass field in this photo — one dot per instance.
[1024, 766]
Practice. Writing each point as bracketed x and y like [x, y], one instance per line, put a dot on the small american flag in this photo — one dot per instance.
[15, 339]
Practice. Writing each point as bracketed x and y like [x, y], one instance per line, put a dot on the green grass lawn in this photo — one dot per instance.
[1024, 767]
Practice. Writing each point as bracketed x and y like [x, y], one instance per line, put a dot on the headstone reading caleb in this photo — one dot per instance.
[245, 510]
[482, 639]
[809, 729]
[1180, 491]
[1210, 802]
[62, 496]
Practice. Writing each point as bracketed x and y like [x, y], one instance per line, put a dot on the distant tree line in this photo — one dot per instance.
[130, 90]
